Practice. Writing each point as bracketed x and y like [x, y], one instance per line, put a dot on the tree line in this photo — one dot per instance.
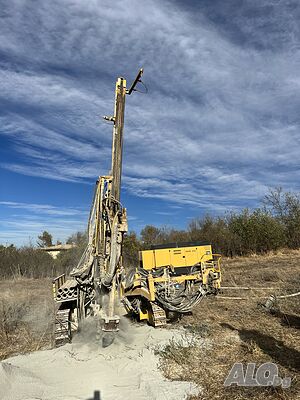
[274, 225]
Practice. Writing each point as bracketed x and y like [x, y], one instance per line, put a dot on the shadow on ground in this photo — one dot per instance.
[290, 320]
[97, 396]
[280, 353]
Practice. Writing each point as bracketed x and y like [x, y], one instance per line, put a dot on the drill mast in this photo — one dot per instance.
[169, 280]
[101, 263]
[117, 146]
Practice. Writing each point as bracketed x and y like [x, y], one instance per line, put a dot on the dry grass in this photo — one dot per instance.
[241, 331]
[26, 316]
[238, 331]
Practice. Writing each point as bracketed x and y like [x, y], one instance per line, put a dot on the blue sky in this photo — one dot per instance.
[217, 128]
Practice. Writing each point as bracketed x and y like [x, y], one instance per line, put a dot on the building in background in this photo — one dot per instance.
[56, 249]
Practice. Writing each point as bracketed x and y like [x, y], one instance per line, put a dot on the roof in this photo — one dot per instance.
[59, 247]
[177, 244]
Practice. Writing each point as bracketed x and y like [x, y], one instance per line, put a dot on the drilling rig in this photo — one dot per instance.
[169, 280]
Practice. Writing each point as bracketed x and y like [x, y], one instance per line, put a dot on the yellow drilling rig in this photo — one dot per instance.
[170, 279]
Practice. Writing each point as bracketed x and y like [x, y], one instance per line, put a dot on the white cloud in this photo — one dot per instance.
[220, 122]
[22, 222]
[42, 208]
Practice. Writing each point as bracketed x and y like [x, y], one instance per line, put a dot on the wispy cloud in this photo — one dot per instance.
[22, 222]
[42, 208]
[219, 125]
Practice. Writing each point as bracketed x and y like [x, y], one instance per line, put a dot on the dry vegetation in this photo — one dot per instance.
[240, 331]
[26, 315]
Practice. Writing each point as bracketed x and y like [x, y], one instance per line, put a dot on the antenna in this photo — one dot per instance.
[135, 82]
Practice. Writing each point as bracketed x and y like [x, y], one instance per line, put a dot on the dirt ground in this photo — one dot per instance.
[241, 331]
[84, 370]
[219, 333]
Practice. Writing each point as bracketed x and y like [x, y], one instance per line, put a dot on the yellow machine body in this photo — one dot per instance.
[170, 279]
[176, 257]
[185, 266]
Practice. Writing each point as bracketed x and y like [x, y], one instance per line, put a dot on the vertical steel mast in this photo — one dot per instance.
[101, 264]
[118, 120]
[117, 144]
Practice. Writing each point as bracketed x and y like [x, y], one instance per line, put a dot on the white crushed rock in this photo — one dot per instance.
[125, 370]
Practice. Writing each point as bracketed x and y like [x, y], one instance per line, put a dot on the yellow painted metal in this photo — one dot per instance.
[147, 258]
[54, 290]
[120, 89]
[179, 278]
[151, 287]
[208, 272]
[177, 257]
[139, 291]
[205, 275]
[143, 315]
[57, 283]
[150, 292]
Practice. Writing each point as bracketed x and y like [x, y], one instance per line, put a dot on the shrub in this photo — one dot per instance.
[255, 232]
[285, 207]
[131, 247]
[25, 261]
